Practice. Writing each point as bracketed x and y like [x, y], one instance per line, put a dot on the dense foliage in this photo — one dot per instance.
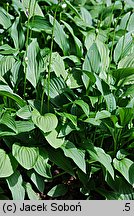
[66, 99]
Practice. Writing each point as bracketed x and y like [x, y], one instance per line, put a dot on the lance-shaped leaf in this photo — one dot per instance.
[77, 155]
[34, 63]
[60, 36]
[31, 193]
[92, 61]
[41, 166]
[5, 18]
[126, 168]
[57, 156]
[98, 154]
[84, 106]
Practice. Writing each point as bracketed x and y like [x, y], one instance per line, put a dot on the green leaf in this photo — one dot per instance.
[6, 64]
[126, 168]
[24, 112]
[34, 7]
[6, 91]
[75, 11]
[93, 121]
[26, 156]
[9, 121]
[69, 116]
[123, 47]
[5, 49]
[17, 34]
[83, 105]
[92, 62]
[88, 78]
[58, 190]
[57, 157]
[78, 44]
[110, 102]
[24, 126]
[40, 24]
[5, 18]
[104, 54]
[77, 155]
[66, 129]
[34, 63]
[15, 185]
[130, 26]
[86, 16]
[37, 180]
[130, 2]
[98, 154]
[122, 153]
[58, 65]
[5, 131]
[121, 74]
[15, 73]
[127, 61]
[102, 115]
[46, 123]
[60, 36]
[7, 164]
[42, 166]
[30, 192]
[13, 96]
[53, 140]
[126, 115]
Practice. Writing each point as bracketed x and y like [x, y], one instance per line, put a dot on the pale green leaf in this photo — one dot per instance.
[83, 105]
[77, 155]
[126, 168]
[9, 121]
[24, 112]
[31, 193]
[24, 126]
[42, 167]
[123, 47]
[33, 6]
[60, 36]
[92, 60]
[40, 24]
[7, 164]
[102, 114]
[58, 65]
[46, 123]
[15, 182]
[53, 140]
[6, 64]
[98, 154]
[78, 44]
[37, 180]
[26, 156]
[5, 18]
[33, 62]
[127, 61]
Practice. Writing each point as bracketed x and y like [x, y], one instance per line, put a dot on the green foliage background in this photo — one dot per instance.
[66, 99]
